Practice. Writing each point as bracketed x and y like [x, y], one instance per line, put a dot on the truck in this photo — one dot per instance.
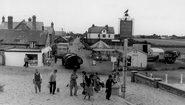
[62, 48]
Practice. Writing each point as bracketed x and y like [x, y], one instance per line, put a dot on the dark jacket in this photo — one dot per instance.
[109, 83]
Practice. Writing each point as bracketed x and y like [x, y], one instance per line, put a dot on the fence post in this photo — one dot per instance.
[181, 82]
[156, 80]
[166, 78]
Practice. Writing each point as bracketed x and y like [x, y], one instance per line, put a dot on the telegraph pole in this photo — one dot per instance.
[124, 67]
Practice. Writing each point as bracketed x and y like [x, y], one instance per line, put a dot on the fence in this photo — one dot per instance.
[156, 83]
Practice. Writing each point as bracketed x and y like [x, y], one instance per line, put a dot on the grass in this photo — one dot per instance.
[173, 75]
[162, 41]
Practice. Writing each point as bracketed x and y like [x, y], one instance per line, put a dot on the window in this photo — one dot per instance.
[33, 59]
[98, 35]
[32, 44]
[109, 35]
[104, 35]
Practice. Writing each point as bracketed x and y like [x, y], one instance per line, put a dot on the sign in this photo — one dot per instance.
[126, 28]
[113, 59]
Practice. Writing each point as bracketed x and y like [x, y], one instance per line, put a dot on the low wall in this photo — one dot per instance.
[171, 89]
[156, 83]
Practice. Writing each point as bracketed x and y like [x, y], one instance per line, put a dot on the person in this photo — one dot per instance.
[73, 83]
[96, 82]
[109, 84]
[89, 87]
[26, 61]
[37, 80]
[85, 79]
[52, 81]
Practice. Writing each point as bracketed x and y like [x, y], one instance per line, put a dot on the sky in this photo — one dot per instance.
[161, 17]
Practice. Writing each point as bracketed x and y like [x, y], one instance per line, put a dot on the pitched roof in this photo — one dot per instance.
[98, 29]
[39, 25]
[100, 45]
[60, 39]
[10, 36]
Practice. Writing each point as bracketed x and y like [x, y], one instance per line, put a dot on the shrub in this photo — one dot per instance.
[150, 67]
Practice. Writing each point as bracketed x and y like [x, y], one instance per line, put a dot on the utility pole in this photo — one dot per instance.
[124, 67]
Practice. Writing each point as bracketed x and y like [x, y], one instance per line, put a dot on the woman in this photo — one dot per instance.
[89, 87]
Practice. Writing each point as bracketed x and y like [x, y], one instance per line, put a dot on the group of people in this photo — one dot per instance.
[37, 80]
[90, 83]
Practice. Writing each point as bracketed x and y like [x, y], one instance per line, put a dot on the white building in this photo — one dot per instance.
[99, 32]
[138, 58]
[15, 57]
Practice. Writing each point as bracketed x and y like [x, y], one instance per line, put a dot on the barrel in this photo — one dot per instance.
[71, 60]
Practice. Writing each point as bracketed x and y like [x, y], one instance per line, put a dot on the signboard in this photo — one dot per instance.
[126, 28]
[113, 59]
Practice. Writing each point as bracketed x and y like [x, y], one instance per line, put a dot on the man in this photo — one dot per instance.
[37, 80]
[26, 61]
[109, 84]
[73, 83]
[52, 81]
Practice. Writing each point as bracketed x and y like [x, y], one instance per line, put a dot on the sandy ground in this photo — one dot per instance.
[19, 89]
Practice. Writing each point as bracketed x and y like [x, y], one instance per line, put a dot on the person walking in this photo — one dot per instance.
[73, 83]
[109, 84]
[89, 87]
[26, 59]
[37, 80]
[52, 81]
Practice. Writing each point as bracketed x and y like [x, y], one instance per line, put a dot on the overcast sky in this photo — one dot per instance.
[150, 16]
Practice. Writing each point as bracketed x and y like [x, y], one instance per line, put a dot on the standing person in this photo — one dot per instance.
[109, 84]
[85, 79]
[37, 80]
[73, 83]
[89, 87]
[52, 81]
[55, 59]
[26, 61]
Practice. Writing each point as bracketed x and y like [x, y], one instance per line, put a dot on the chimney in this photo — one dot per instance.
[3, 19]
[29, 19]
[93, 25]
[10, 22]
[52, 24]
[106, 26]
[34, 22]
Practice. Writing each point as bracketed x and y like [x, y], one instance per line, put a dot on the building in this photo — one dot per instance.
[138, 58]
[30, 38]
[100, 32]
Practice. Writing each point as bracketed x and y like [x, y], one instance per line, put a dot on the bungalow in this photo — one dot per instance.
[18, 43]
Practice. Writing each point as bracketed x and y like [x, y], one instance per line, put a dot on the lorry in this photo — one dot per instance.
[62, 48]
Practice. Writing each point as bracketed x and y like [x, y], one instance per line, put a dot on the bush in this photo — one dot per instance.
[150, 67]
[181, 67]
